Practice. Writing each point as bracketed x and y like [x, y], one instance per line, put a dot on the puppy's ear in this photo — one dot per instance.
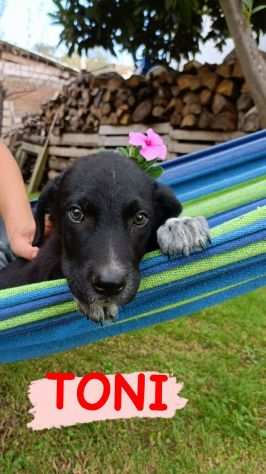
[165, 204]
[45, 203]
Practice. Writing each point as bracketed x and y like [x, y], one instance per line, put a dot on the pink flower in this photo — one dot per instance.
[152, 146]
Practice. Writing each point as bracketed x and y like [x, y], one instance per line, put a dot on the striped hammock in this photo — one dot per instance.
[227, 184]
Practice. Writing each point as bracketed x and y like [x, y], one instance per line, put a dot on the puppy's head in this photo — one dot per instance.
[106, 212]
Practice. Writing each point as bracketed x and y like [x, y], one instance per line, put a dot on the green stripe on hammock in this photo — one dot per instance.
[203, 265]
[231, 198]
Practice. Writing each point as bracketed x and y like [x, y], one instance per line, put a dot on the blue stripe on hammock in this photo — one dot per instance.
[33, 305]
[214, 163]
[32, 295]
[217, 182]
[246, 140]
[39, 350]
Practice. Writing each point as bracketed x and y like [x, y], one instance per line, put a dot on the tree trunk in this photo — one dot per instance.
[252, 62]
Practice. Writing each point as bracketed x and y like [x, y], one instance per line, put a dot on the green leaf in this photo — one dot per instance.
[258, 9]
[155, 172]
[123, 151]
[248, 4]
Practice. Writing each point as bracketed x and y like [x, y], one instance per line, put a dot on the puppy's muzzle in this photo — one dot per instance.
[109, 281]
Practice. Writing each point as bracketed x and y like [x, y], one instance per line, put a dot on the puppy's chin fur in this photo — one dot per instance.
[99, 311]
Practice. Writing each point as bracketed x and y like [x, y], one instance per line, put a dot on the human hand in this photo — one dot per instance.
[20, 239]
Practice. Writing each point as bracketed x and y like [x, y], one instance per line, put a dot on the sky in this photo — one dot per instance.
[26, 22]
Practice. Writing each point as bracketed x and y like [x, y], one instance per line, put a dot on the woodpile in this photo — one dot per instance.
[203, 105]
[202, 97]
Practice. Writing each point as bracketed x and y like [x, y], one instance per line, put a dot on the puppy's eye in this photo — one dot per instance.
[75, 214]
[140, 219]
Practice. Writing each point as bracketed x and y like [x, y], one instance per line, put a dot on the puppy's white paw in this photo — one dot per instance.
[183, 235]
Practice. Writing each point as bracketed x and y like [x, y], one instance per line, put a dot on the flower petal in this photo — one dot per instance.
[162, 151]
[137, 138]
[151, 152]
[147, 152]
[154, 138]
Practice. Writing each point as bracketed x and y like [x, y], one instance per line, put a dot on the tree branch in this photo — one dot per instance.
[251, 60]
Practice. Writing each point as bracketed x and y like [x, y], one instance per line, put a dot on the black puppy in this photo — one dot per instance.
[107, 213]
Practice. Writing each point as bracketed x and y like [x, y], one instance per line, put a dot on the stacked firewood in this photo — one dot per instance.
[206, 97]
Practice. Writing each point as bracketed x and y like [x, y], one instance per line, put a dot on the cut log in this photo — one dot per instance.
[158, 111]
[189, 121]
[225, 121]
[142, 111]
[244, 102]
[125, 119]
[192, 66]
[163, 76]
[188, 82]
[131, 100]
[251, 121]
[160, 101]
[191, 98]
[205, 97]
[226, 87]
[205, 120]
[208, 79]
[107, 96]
[144, 93]
[135, 81]
[175, 119]
[106, 109]
[241, 120]
[225, 70]
[114, 119]
[191, 109]
[175, 91]
[220, 104]
[175, 104]
[121, 110]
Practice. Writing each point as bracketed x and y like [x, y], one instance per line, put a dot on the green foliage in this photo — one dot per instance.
[248, 9]
[152, 168]
[160, 31]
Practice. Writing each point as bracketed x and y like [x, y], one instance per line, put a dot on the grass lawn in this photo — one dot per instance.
[219, 354]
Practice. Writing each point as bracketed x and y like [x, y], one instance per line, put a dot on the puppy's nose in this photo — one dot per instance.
[109, 281]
